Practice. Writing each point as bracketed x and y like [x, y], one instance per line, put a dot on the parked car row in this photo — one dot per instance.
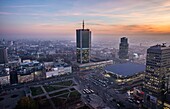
[132, 100]
[88, 91]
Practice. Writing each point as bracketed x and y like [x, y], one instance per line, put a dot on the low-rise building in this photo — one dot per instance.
[29, 71]
[126, 69]
[4, 76]
[22, 78]
[128, 74]
[94, 64]
[58, 68]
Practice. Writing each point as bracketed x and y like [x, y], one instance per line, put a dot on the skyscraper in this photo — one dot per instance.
[83, 40]
[123, 48]
[3, 55]
[157, 71]
[13, 76]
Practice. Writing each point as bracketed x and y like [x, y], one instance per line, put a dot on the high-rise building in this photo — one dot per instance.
[123, 48]
[157, 75]
[13, 76]
[3, 55]
[83, 40]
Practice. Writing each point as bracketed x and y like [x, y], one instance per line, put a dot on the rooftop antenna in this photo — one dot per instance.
[83, 25]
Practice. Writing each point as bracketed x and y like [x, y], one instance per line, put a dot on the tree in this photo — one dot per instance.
[26, 103]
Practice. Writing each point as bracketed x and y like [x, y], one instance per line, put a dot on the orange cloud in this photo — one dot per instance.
[97, 29]
[131, 29]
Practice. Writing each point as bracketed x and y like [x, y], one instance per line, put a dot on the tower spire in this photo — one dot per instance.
[83, 25]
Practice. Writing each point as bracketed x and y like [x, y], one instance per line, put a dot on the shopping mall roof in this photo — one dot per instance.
[125, 69]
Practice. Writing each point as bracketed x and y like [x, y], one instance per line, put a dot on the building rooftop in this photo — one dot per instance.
[126, 69]
[82, 30]
[27, 68]
[61, 64]
[159, 47]
[4, 72]
[97, 60]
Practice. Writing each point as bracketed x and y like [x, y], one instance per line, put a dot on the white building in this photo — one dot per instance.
[59, 69]
[4, 77]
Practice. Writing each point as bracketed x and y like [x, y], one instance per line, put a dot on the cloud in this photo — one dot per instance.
[131, 29]
[97, 29]
[8, 13]
[102, 17]
[25, 6]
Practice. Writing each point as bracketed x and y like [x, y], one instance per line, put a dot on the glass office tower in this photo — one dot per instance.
[83, 40]
[123, 48]
[157, 75]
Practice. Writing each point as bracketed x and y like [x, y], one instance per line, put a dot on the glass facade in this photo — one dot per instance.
[157, 66]
[3, 55]
[157, 69]
[123, 48]
[78, 40]
[83, 38]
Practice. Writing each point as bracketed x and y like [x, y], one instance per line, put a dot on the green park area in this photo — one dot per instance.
[66, 99]
[36, 91]
[64, 95]
[50, 88]
[59, 102]
[75, 94]
[59, 93]
[44, 104]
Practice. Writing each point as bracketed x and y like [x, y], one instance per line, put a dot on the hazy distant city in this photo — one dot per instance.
[92, 54]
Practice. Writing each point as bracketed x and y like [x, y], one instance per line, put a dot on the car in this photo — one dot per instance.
[91, 91]
[88, 91]
[137, 102]
[84, 92]
[130, 100]
[118, 105]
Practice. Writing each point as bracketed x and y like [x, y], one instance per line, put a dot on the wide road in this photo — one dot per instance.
[106, 93]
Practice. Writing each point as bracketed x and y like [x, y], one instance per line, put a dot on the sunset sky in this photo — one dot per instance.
[60, 18]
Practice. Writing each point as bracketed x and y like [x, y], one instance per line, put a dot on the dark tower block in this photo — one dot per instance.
[123, 48]
[83, 40]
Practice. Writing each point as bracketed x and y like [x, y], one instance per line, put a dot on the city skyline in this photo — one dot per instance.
[59, 19]
[85, 54]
